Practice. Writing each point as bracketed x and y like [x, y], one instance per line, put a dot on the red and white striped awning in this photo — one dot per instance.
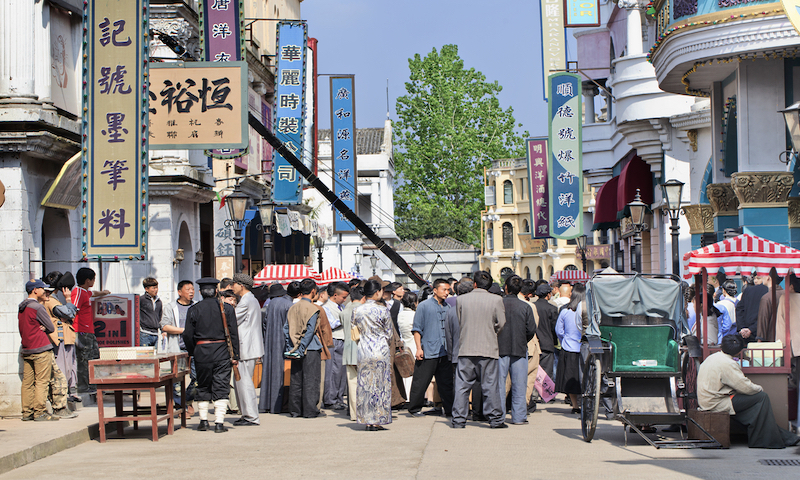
[744, 253]
[285, 274]
[570, 276]
[333, 274]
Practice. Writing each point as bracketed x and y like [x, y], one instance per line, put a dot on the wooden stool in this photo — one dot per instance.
[718, 424]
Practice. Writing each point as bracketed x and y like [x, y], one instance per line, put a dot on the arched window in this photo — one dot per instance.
[539, 273]
[552, 271]
[525, 227]
[489, 238]
[508, 192]
[570, 267]
[508, 236]
[505, 273]
[527, 273]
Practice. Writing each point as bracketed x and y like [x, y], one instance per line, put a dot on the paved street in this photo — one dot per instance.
[333, 447]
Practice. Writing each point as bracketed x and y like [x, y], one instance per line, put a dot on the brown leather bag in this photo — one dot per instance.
[404, 361]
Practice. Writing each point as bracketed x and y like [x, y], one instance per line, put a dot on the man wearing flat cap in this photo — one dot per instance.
[271, 400]
[251, 347]
[204, 337]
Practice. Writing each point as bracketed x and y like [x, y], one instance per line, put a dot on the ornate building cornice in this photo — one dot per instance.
[794, 212]
[762, 189]
[722, 199]
[700, 218]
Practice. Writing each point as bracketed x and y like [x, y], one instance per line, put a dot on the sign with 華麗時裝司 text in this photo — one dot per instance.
[114, 194]
[538, 160]
[289, 107]
[222, 40]
[343, 148]
[198, 105]
[554, 40]
[566, 166]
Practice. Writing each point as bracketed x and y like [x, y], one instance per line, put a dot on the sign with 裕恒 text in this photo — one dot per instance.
[222, 40]
[343, 148]
[566, 167]
[289, 107]
[198, 105]
[554, 41]
[581, 13]
[537, 179]
[114, 196]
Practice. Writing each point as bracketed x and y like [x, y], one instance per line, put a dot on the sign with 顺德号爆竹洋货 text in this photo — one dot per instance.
[198, 105]
[566, 166]
[343, 148]
[114, 165]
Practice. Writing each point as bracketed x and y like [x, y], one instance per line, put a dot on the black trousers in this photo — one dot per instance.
[424, 371]
[213, 368]
[755, 412]
[304, 385]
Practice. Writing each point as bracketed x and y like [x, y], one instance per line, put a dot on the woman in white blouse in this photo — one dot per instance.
[405, 321]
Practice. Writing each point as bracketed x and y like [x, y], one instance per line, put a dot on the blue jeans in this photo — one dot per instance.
[147, 340]
[517, 367]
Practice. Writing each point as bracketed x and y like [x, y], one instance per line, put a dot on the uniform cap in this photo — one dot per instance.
[207, 281]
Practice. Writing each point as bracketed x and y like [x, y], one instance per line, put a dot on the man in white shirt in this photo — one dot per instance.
[335, 382]
[722, 387]
[251, 347]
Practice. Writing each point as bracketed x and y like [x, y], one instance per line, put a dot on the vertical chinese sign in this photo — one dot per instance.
[289, 108]
[537, 179]
[566, 166]
[581, 13]
[222, 40]
[115, 107]
[554, 41]
[343, 148]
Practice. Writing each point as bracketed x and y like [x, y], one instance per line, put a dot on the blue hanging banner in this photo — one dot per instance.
[566, 173]
[289, 108]
[343, 148]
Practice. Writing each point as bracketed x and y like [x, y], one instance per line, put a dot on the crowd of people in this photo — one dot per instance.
[465, 349]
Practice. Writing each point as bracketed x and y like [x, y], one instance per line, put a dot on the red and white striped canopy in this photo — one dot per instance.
[570, 276]
[333, 274]
[744, 253]
[285, 274]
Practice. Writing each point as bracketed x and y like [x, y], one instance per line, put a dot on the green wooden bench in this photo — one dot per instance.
[634, 343]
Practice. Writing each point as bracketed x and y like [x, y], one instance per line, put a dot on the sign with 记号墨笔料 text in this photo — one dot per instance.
[114, 165]
[198, 105]
[566, 166]
[343, 148]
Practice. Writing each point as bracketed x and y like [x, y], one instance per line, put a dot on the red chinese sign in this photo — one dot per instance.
[537, 176]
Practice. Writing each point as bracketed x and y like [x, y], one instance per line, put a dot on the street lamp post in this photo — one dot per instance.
[237, 205]
[582, 249]
[265, 209]
[358, 256]
[514, 261]
[637, 208]
[671, 191]
[373, 261]
[319, 244]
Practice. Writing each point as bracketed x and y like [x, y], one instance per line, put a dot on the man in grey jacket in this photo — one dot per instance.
[481, 316]
[173, 322]
[251, 347]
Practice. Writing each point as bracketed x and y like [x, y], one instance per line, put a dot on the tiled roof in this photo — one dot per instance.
[436, 243]
[368, 140]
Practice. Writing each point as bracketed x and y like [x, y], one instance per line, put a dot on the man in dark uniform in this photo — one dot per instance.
[204, 337]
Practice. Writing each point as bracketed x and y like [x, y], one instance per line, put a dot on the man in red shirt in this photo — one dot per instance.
[85, 339]
[37, 353]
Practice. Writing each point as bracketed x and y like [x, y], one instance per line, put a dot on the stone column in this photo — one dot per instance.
[17, 49]
[763, 199]
[43, 66]
[634, 28]
[701, 220]
[725, 207]
[589, 92]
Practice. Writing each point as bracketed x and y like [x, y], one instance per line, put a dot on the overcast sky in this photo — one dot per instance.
[374, 39]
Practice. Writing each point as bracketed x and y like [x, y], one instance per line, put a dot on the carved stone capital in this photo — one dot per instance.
[700, 218]
[762, 189]
[794, 212]
[722, 199]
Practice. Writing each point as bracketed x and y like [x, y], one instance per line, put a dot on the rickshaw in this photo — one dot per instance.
[631, 358]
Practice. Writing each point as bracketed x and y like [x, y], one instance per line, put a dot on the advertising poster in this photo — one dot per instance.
[116, 320]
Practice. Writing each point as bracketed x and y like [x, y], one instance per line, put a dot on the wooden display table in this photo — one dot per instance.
[135, 374]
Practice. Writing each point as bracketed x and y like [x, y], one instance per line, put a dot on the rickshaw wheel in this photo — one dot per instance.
[590, 400]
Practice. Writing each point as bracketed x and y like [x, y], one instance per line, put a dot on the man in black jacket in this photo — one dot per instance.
[747, 309]
[548, 314]
[512, 342]
[150, 310]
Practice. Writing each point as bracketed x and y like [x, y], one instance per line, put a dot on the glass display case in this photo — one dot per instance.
[143, 369]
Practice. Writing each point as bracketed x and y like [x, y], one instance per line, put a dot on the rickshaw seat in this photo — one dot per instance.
[631, 343]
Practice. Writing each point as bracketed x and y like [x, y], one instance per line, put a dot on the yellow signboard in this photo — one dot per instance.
[202, 105]
[114, 135]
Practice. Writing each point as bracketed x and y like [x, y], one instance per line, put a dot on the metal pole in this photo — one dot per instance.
[319, 259]
[583, 259]
[674, 228]
[637, 249]
[267, 245]
[237, 246]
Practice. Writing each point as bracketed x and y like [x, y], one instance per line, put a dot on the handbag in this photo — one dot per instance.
[355, 335]
[404, 361]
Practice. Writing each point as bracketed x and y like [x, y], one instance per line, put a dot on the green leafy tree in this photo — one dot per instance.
[450, 128]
